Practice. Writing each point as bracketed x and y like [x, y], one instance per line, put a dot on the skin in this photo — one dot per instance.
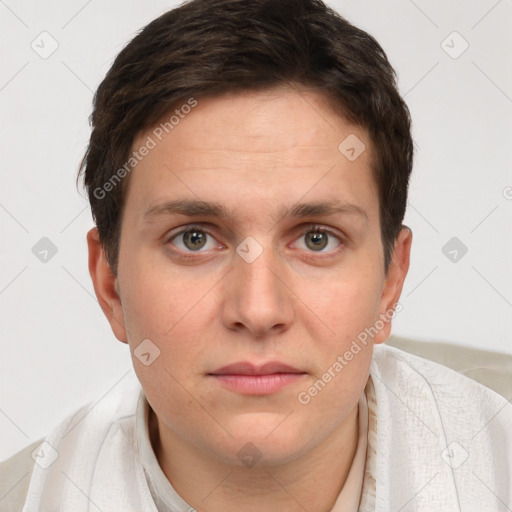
[256, 153]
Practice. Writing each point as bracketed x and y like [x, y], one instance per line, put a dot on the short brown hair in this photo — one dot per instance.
[212, 47]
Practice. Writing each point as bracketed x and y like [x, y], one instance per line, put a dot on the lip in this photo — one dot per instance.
[249, 379]
[247, 368]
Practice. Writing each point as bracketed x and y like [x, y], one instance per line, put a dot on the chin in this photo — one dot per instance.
[270, 440]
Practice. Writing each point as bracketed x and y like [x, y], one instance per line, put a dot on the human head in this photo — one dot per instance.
[250, 151]
[246, 46]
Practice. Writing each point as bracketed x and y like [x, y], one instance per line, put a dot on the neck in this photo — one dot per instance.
[310, 482]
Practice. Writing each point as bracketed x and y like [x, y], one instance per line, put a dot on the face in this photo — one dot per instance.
[257, 279]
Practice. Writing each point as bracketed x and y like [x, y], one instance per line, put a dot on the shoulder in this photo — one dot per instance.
[15, 474]
[490, 368]
[422, 378]
[439, 423]
[117, 404]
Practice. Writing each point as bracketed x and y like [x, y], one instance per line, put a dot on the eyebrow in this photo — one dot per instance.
[195, 207]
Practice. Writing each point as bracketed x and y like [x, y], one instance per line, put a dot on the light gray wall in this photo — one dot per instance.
[57, 350]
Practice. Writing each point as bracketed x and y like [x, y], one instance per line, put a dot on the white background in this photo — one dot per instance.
[57, 350]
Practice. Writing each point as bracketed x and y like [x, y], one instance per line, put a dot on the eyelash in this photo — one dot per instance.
[307, 229]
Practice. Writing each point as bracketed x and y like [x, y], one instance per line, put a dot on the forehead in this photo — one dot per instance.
[275, 144]
[276, 119]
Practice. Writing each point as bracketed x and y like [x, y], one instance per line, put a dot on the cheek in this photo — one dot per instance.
[155, 300]
[170, 310]
[345, 305]
[348, 308]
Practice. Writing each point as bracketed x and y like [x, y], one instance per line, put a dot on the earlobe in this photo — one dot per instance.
[394, 282]
[105, 285]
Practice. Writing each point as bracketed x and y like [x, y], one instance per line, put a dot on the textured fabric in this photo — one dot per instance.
[168, 500]
[492, 369]
[443, 442]
[15, 474]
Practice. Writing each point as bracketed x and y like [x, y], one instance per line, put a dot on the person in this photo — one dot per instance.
[247, 172]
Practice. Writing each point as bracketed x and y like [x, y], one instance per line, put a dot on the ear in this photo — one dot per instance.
[394, 282]
[105, 285]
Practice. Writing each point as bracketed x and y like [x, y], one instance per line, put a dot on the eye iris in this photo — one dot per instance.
[318, 239]
[195, 237]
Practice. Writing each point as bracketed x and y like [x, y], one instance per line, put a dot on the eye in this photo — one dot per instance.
[192, 239]
[317, 238]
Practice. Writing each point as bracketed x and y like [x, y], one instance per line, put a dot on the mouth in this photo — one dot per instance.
[247, 378]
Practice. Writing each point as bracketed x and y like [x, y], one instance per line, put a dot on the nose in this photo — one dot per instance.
[257, 297]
